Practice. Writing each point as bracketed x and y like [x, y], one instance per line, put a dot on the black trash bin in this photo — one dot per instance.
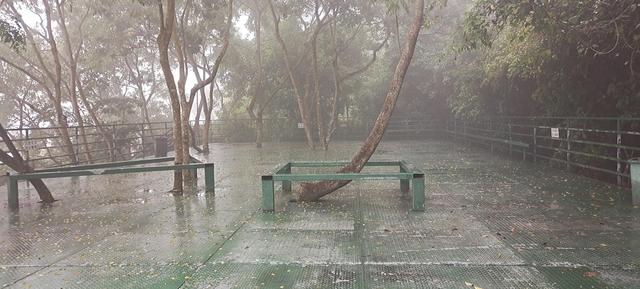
[162, 147]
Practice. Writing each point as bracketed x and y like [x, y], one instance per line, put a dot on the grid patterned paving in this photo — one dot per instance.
[490, 222]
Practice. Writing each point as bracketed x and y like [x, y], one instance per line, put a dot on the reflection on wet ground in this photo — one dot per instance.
[490, 223]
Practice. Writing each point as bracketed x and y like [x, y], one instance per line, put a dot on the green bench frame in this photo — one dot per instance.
[114, 168]
[408, 176]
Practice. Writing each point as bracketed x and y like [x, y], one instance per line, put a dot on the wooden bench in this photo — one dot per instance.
[408, 176]
[123, 167]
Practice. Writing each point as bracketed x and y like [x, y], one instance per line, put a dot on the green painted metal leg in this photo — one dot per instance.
[635, 183]
[418, 193]
[209, 178]
[286, 185]
[404, 186]
[14, 204]
[268, 195]
[194, 173]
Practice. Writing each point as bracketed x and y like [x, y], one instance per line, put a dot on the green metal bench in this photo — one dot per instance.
[408, 176]
[114, 168]
[523, 146]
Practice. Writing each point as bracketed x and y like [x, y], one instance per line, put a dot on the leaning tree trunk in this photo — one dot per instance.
[314, 191]
[18, 164]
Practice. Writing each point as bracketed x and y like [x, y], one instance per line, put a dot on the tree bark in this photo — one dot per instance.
[315, 191]
[179, 43]
[339, 79]
[303, 106]
[322, 136]
[57, 80]
[18, 164]
[208, 109]
[214, 72]
[107, 136]
[72, 86]
[167, 22]
[258, 84]
[52, 87]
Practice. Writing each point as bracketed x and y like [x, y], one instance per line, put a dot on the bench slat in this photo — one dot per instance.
[97, 172]
[343, 177]
[107, 165]
[342, 163]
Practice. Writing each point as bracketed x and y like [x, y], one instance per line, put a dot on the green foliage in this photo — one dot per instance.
[560, 57]
[11, 34]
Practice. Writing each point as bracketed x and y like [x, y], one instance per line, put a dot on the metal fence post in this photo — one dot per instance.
[77, 152]
[510, 140]
[568, 161]
[12, 193]
[115, 143]
[142, 139]
[27, 154]
[535, 140]
[619, 152]
[464, 132]
[455, 129]
[492, 134]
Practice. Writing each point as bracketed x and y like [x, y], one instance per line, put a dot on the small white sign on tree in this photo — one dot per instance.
[301, 125]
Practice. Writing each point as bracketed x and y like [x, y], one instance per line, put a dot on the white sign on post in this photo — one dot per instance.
[30, 144]
[555, 133]
[300, 125]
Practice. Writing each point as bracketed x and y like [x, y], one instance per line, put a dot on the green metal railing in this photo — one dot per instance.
[596, 147]
[45, 148]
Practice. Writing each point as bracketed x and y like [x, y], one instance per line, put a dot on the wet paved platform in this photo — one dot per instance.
[490, 223]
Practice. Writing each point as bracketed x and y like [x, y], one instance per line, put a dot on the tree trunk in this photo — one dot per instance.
[74, 82]
[196, 125]
[53, 85]
[179, 43]
[18, 164]
[107, 137]
[316, 82]
[208, 109]
[196, 133]
[303, 106]
[259, 129]
[214, 71]
[258, 92]
[167, 20]
[63, 128]
[314, 191]
[57, 82]
[338, 79]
